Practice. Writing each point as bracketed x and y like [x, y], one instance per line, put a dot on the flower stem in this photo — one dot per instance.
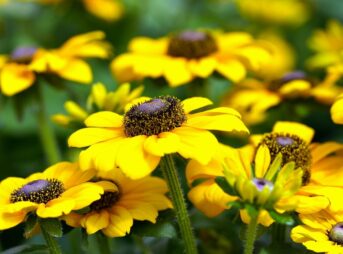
[46, 133]
[104, 246]
[250, 235]
[171, 175]
[51, 242]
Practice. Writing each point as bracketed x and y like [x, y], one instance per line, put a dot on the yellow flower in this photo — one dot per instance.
[328, 45]
[282, 12]
[57, 191]
[18, 70]
[189, 55]
[67, 61]
[132, 200]
[322, 232]
[321, 162]
[98, 100]
[266, 186]
[294, 85]
[136, 141]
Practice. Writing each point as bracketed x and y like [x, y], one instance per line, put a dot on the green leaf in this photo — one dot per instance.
[26, 248]
[52, 226]
[286, 219]
[30, 225]
[160, 229]
[225, 186]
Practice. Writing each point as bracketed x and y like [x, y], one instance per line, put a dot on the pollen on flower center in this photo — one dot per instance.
[192, 44]
[155, 116]
[261, 183]
[38, 191]
[336, 233]
[292, 148]
[23, 54]
[106, 201]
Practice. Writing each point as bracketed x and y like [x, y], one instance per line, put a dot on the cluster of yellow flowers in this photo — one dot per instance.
[125, 136]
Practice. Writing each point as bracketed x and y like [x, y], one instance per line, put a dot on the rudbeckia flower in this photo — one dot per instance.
[18, 71]
[321, 164]
[328, 45]
[136, 141]
[294, 85]
[190, 54]
[131, 200]
[98, 100]
[57, 191]
[281, 12]
[321, 232]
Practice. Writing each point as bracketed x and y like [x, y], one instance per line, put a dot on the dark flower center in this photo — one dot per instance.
[291, 76]
[155, 116]
[23, 54]
[107, 200]
[336, 233]
[38, 191]
[261, 183]
[192, 44]
[292, 148]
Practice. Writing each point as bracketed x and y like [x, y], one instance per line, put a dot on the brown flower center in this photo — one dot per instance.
[107, 200]
[336, 233]
[192, 44]
[23, 54]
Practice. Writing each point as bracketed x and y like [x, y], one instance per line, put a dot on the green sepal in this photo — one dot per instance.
[284, 218]
[52, 226]
[225, 186]
[30, 225]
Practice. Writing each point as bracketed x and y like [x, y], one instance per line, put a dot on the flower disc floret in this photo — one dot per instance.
[336, 233]
[155, 116]
[292, 148]
[192, 44]
[38, 191]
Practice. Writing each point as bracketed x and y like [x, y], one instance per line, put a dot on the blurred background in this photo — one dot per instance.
[50, 23]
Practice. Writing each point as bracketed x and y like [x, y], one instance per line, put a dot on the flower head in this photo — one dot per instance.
[98, 100]
[150, 129]
[57, 191]
[182, 57]
[321, 232]
[115, 211]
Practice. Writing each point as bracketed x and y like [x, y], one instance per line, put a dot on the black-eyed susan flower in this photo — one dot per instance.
[282, 12]
[99, 99]
[136, 141]
[291, 86]
[57, 191]
[328, 45]
[117, 209]
[18, 70]
[321, 232]
[257, 179]
[182, 57]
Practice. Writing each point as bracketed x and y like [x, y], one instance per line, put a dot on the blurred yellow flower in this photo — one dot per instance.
[246, 97]
[57, 191]
[98, 100]
[281, 12]
[131, 200]
[322, 232]
[328, 45]
[18, 70]
[190, 54]
[136, 141]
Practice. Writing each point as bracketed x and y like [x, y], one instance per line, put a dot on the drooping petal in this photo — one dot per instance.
[121, 222]
[96, 221]
[161, 144]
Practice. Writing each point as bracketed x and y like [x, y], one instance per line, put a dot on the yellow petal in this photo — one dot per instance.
[143, 163]
[96, 221]
[262, 161]
[337, 111]
[141, 210]
[161, 144]
[311, 204]
[108, 10]
[15, 78]
[89, 136]
[147, 45]
[55, 208]
[120, 222]
[76, 70]
[202, 67]
[200, 145]
[10, 220]
[298, 129]
[296, 88]
[98, 95]
[75, 110]
[104, 119]
[194, 103]
[231, 69]
[176, 72]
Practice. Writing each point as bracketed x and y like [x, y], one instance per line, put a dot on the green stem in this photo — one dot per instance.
[46, 133]
[104, 245]
[51, 242]
[250, 235]
[171, 175]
